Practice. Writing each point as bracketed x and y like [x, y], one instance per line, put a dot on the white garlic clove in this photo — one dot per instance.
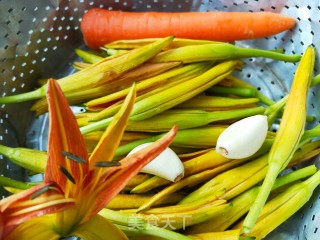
[166, 165]
[243, 138]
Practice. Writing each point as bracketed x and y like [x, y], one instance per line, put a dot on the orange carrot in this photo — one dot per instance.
[101, 26]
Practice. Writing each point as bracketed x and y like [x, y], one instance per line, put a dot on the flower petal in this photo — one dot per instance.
[115, 179]
[36, 201]
[111, 138]
[64, 135]
[1, 225]
[37, 228]
[99, 228]
[6, 202]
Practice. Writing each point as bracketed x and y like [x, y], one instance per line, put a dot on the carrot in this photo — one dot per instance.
[101, 26]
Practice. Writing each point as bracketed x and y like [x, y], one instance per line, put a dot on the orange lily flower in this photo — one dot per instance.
[87, 183]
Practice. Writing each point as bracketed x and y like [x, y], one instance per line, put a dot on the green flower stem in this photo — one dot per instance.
[232, 81]
[294, 176]
[238, 91]
[310, 134]
[88, 56]
[273, 111]
[23, 97]
[315, 80]
[8, 182]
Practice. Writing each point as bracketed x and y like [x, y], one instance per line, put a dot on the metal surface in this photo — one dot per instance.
[37, 40]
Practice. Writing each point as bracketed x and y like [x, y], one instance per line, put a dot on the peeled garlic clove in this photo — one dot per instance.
[167, 165]
[243, 138]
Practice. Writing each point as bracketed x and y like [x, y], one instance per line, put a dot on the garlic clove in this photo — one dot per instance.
[243, 138]
[167, 165]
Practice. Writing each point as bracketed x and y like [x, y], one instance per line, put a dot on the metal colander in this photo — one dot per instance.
[38, 38]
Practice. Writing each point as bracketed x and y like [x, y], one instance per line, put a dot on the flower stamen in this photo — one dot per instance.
[73, 157]
[107, 164]
[67, 174]
[40, 191]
